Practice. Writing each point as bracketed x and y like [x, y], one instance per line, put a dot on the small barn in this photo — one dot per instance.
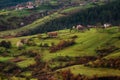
[52, 34]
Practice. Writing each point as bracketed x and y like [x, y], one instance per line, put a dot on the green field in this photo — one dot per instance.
[89, 53]
[86, 45]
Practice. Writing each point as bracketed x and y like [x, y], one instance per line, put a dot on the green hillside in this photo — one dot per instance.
[49, 45]
[88, 14]
[87, 44]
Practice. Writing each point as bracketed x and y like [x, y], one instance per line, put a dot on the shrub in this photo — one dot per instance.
[41, 45]
[46, 45]
[6, 44]
[2, 49]
[30, 53]
[61, 45]
[74, 37]
[39, 36]
[31, 43]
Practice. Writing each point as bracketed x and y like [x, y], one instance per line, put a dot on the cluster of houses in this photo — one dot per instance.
[36, 3]
[28, 5]
[55, 34]
[31, 4]
[82, 28]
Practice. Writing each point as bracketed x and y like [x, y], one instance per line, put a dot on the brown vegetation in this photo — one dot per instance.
[67, 75]
[61, 45]
[110, 63]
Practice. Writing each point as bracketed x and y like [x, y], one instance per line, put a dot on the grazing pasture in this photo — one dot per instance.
[75, 57]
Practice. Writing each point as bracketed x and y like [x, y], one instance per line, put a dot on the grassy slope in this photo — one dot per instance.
[90, 72]
[33, 25]
[86, 43]
[46, 19]
[113, 55]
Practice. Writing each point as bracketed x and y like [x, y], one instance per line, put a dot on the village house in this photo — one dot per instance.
[52, 34]
[30, 5]
[20, 7]
[106, 25]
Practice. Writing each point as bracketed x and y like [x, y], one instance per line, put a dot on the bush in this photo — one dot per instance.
[41, 45]
[31, 43]
[2, 49]
[61, 45]
[39, 36]
[30, 53]
[46, 45]
[74, 37]
[5, 44]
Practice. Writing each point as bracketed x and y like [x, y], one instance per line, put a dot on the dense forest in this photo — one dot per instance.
[8, 3]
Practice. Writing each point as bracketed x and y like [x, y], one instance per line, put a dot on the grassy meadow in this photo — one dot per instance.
[86, 45]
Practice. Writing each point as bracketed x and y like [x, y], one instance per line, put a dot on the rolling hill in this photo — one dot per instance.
[88, 14]
[80, 58]
[50, 48]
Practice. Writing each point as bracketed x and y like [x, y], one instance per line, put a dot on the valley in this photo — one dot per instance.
[60, 40]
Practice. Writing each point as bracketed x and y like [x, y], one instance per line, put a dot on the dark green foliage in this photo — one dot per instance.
[30, 53]
[110, 63]
[5, 44]
[2, 49]
[45, 45]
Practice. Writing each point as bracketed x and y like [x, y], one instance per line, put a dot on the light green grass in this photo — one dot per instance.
[113, 55]
[86, 44]
[4, 59]
[90, 72]
[26, 63]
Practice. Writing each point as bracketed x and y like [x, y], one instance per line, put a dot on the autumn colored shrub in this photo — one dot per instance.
[61, 45]
[106, 63]
[30, 53]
